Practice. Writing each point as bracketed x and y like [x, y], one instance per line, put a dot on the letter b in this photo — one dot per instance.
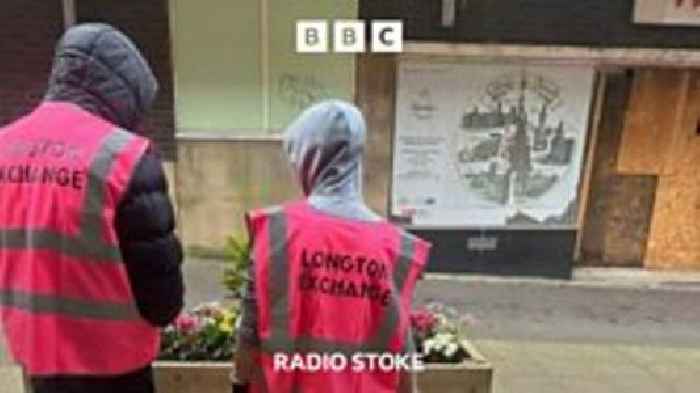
[349, 36]
[312, 36]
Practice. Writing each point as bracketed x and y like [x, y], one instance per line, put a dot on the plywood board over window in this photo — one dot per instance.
[620, 206]
[669, 147]
[649, 125]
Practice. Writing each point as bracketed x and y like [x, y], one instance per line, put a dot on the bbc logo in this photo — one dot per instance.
[349, 36]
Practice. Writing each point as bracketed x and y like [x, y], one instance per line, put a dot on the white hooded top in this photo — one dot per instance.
[325, 146]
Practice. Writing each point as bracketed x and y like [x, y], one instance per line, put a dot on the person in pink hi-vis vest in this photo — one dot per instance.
[329, 278]
[89, 262]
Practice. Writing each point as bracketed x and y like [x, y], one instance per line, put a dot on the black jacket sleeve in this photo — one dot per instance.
[152, 253]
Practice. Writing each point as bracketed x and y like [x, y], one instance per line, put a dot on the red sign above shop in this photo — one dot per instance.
[688, 3]
[670, 12]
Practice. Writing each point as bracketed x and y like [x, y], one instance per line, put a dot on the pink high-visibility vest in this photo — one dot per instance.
[66, 305]
[331, 287]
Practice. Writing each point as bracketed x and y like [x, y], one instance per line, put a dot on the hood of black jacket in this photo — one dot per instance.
[100, 69]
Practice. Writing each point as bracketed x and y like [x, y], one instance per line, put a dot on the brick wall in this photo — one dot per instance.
[30, 29]
[147, 23]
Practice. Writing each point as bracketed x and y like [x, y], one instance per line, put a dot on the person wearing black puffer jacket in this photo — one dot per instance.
[99, 76]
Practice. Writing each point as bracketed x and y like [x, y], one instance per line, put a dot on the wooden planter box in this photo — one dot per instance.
[472, 376]
[12, 378]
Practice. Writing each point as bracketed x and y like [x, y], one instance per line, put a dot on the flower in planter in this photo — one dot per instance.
[227, 322]
[186, 324]
[438, 332]
[445, 348]
[207, 334]
[423, 323]
[204, 334]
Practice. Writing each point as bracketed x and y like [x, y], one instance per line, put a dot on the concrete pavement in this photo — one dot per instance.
[626, 331]
[557, 367]
[514, 310]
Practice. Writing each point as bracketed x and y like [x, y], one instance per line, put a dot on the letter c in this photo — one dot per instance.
[382, 36]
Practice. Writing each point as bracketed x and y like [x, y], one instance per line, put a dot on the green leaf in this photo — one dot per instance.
[237, 260]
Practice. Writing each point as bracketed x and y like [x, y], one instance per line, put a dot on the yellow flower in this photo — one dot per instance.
[226, 326]
[227, 322]
[228, 314]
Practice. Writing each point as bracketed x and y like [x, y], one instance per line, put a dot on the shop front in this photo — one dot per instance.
[511, 152]
[521, 139]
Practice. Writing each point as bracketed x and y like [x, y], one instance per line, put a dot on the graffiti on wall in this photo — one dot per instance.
[300, 91]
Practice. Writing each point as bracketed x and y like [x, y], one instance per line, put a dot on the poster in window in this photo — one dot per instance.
[489, 145]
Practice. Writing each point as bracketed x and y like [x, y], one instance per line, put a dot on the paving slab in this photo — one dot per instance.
[544, 367]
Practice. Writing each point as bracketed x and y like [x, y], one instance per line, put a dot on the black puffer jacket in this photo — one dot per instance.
[102, 71]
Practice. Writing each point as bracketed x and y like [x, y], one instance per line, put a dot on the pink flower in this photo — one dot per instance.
[423, 321]
[186, 324]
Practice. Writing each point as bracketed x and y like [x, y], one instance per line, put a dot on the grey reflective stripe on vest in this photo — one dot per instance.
[278, 286]
[89, 244]
[388, 327]
[78, 247]
[43, 304]
[91, 219]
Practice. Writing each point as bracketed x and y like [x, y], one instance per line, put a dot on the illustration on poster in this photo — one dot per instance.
[512, 150]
